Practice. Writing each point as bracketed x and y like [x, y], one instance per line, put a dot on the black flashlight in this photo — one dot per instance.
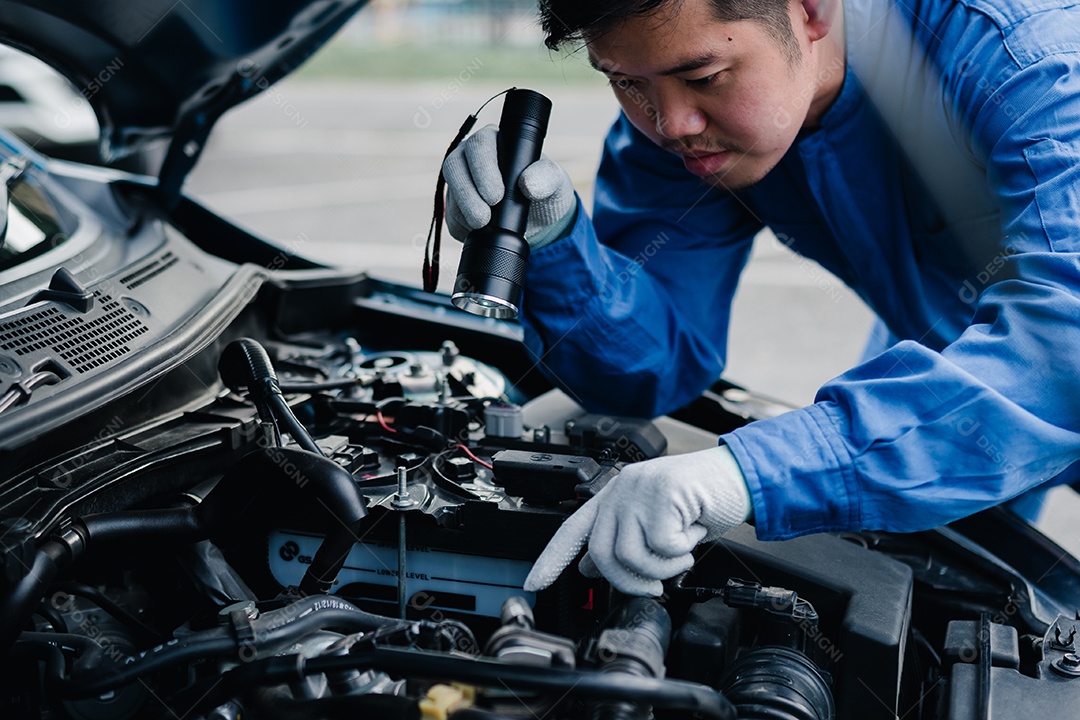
[492, 268]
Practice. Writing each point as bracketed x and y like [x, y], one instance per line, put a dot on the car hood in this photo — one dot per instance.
[167, 69]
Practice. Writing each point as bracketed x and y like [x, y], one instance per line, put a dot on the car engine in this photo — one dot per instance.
[321, 527]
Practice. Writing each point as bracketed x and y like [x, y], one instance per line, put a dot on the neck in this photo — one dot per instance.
[830, 63]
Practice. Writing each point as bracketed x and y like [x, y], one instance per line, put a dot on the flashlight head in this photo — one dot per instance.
[491, 273]
[492, 268]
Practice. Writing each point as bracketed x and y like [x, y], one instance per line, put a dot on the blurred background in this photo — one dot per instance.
[338, 162]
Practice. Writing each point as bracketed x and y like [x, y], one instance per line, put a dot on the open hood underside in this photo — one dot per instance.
[167, 69]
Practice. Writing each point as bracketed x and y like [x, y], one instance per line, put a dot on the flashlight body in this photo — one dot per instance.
[492, 269]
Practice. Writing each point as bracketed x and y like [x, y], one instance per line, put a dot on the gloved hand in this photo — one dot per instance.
[475, 184]
[643, 525]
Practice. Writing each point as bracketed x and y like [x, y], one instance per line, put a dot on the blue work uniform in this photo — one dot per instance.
[943, 186]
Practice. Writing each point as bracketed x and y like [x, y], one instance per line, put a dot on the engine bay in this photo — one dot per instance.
[325, 526]
[236, 483]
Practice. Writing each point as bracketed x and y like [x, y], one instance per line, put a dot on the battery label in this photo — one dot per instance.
[433, 578]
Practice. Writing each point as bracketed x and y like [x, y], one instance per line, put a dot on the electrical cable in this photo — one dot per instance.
[470, 453]
[22, 390]
[382, 421]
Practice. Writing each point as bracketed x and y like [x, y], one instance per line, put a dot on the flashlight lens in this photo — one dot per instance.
[484, 305]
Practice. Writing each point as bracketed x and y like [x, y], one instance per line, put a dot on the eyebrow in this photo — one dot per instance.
[694, 63]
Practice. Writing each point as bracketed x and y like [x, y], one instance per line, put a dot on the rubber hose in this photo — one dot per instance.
[245, 364]
[329, 482]
[271, 631]
[674, 694]
[18, 605]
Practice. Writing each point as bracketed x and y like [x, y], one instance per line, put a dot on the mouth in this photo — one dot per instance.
[704, 163]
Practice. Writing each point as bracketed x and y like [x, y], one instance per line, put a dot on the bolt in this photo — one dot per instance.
[247, 608]
[1069, 665]
[401, 497]
[449, 352]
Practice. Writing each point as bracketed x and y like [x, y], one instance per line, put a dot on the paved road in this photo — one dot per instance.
[347, 173]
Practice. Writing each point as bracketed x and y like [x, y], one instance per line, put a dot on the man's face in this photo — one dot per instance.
[727, 97]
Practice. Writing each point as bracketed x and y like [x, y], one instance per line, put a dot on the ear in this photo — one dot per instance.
[820, 15]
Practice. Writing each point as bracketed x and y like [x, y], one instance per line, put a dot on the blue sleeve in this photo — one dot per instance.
[916, 438]
[629, 314]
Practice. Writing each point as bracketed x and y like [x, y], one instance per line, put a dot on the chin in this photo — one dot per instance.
[743, 174]
[734, 181]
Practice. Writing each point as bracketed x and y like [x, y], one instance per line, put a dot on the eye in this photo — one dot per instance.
[621, 83]
[704, 82]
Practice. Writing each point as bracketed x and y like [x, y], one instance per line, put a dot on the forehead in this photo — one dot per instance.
[676, 34]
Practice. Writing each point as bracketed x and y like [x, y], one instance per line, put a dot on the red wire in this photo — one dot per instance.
[469, 452]
[382, 421]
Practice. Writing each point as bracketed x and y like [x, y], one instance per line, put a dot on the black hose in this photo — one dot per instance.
[268, 633]
[331, 485]
[184, 524]
[17, 605]
[481, 714]
[41, 651]
[674, 694]
[778, 683]
[51, 614]
[245, 364]
[664, 693]
[144, 632]
[633, 644]
[291, 425]
[90, 652]
[216, 643]
[349, 707]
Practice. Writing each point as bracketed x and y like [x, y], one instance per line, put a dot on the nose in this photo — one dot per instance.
[678, 115]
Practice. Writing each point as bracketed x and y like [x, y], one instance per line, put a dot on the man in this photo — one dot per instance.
[928, 154]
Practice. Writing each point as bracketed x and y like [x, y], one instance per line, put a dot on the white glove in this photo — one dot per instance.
[642, 527]
[474, 184]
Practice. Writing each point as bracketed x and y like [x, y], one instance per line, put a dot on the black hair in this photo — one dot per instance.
[565, 21]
